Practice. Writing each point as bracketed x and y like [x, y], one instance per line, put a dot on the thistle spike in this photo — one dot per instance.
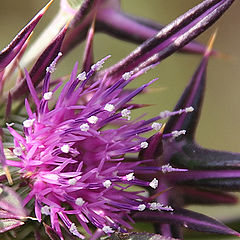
[38, 71]
[88, 53]
[192, 96]
[12, 50]
[138, 30]
[171, 38]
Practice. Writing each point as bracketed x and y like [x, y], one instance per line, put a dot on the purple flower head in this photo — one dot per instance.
[73, 158]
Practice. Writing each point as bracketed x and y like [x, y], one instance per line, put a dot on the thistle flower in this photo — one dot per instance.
[74, 165]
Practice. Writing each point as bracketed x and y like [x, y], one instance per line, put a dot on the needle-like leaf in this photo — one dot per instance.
[12, 50]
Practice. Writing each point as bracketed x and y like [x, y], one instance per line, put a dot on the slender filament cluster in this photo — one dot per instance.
[73, 154]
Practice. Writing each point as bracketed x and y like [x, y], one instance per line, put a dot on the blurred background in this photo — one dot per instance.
[219, 126]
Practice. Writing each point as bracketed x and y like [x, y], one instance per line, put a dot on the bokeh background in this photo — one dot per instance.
[219, 126]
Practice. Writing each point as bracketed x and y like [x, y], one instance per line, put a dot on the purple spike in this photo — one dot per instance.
[32, 89]
[11, 202]
[12, 50]
[78, 31]
[192, 96]
[50, 69]
[9, 70]
[204, 174]
[86, 6]
[135, 29]
[224, 183]
[88, 53]
[171, 38]
[122, 102]
[38, 71]
[154, 149]
[119, 24]
[192, 156]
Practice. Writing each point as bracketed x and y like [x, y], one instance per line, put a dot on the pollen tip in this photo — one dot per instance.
[28, 123]
[84, 127]
[107, 183]
[156, 126]
[130, 176]
[45, 210]
[107, 229]
[9, 124]
[48, 96]
[189, 109]
[176, 134]
[65, 148]
[127, 75]
[79, 201]
[72, 181]
[92, 119]
[109, 107]
[141, 207]
[82, 76]
[126, 113]
[144, 145]
[154, 183]
[17, 151]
